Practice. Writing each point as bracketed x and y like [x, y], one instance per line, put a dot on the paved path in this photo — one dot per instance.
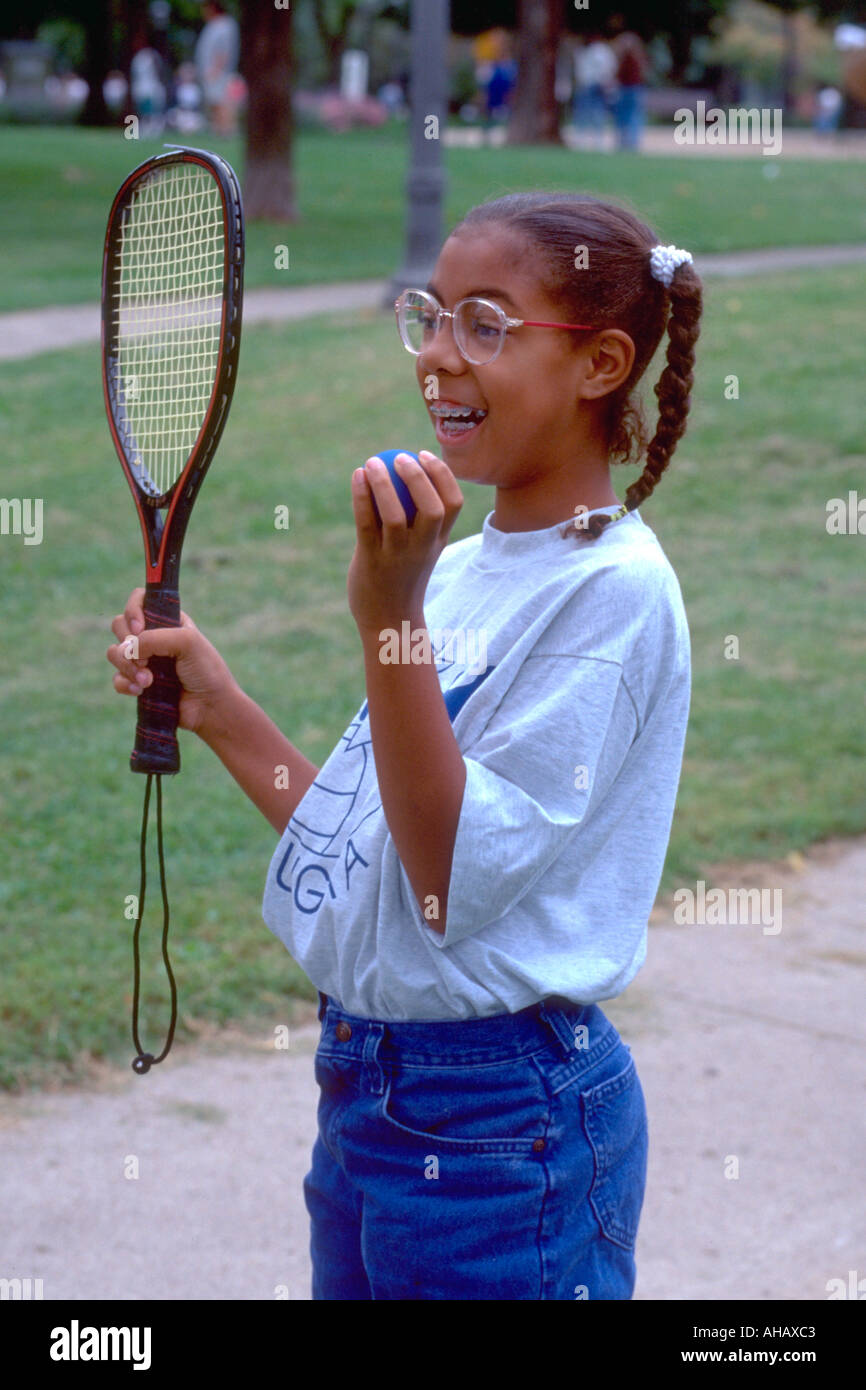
[34, 331]
[752, 1053]
[660, 139]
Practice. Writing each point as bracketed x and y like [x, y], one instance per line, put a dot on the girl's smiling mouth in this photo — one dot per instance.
[454, 421]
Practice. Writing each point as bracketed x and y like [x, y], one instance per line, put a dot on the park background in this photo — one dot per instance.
[774, 757]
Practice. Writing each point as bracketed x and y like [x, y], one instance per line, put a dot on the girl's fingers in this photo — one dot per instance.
[134, 611]
[431, 485]
[447, 487]
[422, 489]
[446, 483]
[120, 655]
[130, 669]
[124, 628]
[133, 675]
[125, 655]
[126, 687]
[380, 484]
[365, 517]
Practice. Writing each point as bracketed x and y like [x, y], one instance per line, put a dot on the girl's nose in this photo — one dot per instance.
[443, 353]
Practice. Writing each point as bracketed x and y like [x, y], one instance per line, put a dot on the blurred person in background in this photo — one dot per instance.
[502, 80]
[115, 91]
[148, 88]
[186, 113]
[594, 85]
[393, 97]
[216, 59]
[484, 53]
[495, 73]
[828, 110]
[632, 70]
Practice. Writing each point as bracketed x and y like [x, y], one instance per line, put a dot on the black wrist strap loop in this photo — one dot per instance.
[145, 1060]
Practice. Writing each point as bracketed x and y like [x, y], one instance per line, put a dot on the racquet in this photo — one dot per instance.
[172, 292]
[172, 289]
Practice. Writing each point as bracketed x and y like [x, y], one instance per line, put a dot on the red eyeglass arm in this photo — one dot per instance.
[530, 323]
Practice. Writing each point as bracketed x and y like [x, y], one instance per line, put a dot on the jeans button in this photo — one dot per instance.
[537, 1145]
[344, 1032]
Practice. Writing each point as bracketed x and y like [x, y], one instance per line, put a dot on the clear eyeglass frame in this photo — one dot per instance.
[420, 300]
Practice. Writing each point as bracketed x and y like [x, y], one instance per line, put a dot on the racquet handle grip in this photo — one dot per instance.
[156, 747]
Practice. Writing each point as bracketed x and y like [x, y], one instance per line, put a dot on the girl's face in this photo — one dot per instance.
[536, 428]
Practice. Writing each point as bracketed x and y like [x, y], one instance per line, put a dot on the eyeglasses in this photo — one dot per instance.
[480, 327]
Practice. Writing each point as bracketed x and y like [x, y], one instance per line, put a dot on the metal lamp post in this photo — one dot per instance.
[425, 184]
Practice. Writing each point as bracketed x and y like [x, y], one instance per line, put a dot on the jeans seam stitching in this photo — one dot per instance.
[587, 1071]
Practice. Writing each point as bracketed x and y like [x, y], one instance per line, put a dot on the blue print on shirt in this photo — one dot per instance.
[318, 862]
[456, 697]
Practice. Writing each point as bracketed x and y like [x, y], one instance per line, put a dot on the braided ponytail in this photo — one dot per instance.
[673, 391]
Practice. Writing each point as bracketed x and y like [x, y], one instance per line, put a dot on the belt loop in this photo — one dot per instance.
[557, 1019]
[323, 1004]
[372, 1042]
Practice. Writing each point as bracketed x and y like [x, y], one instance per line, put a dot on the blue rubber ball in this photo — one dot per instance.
[388, 456]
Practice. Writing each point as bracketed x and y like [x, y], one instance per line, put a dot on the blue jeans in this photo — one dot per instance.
[630, 116]
[591, 106]
[496, 1158]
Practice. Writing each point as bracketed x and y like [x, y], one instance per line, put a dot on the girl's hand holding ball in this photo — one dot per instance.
[405, 506]
[388, 457]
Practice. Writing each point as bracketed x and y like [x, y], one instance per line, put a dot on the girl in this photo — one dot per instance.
[472, 869]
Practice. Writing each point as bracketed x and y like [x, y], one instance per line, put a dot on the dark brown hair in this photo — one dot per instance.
[616, 290]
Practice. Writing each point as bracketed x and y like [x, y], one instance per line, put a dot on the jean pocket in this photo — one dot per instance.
[614, 1118]
[490, 1109]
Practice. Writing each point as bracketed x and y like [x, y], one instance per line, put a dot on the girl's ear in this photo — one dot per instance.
[609, 361]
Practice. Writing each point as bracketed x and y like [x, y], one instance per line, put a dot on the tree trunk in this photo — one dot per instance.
[96, 17]
[334, 39]
[266, 63]
[680, 45]
[790, 60]
[128, 21]
[535, 116]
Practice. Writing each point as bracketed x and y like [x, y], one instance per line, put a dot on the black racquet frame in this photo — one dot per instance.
[164, 518]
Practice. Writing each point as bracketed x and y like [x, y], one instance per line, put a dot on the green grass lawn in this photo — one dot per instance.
[776, 742]
[56, 186]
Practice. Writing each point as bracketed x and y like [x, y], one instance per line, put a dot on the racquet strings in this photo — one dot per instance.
[168, 318]
[145, 1060]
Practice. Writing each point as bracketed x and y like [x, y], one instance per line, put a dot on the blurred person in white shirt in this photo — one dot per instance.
[594, 74]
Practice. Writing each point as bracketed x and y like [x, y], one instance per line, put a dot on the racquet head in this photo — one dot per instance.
[171, 318]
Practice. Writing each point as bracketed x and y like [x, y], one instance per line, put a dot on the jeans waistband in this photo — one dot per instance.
[463, 1042]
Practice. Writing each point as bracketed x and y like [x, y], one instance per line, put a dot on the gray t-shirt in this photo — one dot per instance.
[567, 680]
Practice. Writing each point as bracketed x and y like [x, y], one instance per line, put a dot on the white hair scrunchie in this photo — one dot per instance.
[664, 260]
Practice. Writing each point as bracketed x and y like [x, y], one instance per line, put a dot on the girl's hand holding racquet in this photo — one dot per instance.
[393, 561]
[204, 676]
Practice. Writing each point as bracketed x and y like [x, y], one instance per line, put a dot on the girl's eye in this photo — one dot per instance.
[485, 330]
